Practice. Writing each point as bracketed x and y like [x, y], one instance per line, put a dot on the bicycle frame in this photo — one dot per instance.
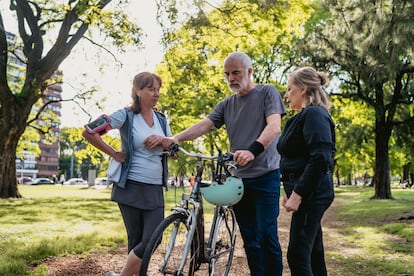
[189, 216]
[197, 215]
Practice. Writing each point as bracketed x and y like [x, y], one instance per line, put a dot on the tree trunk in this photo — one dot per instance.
[382, 177]
[349, 179]
[8, 180]
[412, 180]
[15, 115]
[406, 173]
[338, 179]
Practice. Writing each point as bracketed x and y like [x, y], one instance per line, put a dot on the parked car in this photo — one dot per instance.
[24, 180]
[75, 181]
[39, 181]
[101, 181]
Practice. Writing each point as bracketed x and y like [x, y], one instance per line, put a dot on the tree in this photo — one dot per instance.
[368, 46]
[192, 68]
[354, 140]
[37, 22]
[404, 145]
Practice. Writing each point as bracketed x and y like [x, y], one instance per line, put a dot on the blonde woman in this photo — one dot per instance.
[307, 148]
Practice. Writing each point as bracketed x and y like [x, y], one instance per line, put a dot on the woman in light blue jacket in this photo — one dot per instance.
[139, 192]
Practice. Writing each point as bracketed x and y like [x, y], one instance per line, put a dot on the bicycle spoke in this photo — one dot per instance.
[167, 250]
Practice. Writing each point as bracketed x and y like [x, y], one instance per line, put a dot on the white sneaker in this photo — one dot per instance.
[111, 273]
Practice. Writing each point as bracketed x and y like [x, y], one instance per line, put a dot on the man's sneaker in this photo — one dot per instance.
[111, 273]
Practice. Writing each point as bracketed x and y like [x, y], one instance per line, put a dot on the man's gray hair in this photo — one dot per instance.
[245, 59]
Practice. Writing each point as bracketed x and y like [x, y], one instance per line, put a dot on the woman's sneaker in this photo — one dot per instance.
[111, 273]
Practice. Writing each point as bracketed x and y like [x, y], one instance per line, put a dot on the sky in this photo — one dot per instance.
[114, 83]
[80, 69]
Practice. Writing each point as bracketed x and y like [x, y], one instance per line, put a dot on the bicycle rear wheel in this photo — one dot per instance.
[164, 251]
[223, 242]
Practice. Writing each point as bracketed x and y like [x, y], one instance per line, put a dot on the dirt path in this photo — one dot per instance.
[99, 263]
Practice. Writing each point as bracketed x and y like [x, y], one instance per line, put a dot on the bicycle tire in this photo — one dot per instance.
[157, 260]
[223, 242]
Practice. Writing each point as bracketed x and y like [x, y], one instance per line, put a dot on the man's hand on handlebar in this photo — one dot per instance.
[243, 157]
[170, 146]
[168, 141]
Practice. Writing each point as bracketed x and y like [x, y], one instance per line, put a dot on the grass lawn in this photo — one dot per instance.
[366, 237]
[371, 237]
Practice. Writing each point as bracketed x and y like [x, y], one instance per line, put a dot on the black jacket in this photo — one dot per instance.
[307, 148]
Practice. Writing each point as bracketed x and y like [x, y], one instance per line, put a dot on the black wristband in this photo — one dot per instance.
[256, 148]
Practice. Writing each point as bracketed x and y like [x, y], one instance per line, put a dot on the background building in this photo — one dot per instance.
[48, 160]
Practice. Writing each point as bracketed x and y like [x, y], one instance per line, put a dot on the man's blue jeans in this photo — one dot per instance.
[256, 215]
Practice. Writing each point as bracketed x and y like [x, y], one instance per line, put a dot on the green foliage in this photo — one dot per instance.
[48, 32]
[355, 139]
[28, 141]
[84, 153]
[192, 66]
[367, 46]
[110, 21]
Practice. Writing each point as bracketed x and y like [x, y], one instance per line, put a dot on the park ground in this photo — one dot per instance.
[65, 230]
[100, 263]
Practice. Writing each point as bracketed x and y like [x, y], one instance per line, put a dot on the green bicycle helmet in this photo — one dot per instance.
[228, 193]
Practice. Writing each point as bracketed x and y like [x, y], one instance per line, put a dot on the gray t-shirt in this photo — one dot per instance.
[245, 119]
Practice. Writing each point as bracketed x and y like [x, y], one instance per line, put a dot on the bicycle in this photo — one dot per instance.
[178, 245]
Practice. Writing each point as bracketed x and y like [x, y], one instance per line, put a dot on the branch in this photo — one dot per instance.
[44, 24]
[80, 96]
[403, 122]
[39, 112]
[396, 95]
[3, 60]
[17, 56]
[73, 99]
[33, 43]
[105, 49]
[66, 41]
[36, 127]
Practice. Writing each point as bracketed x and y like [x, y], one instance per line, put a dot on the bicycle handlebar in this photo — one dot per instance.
[197, 154]
[223, 157]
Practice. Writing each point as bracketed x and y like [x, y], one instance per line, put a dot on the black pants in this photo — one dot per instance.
[305, 255]
[140, 224]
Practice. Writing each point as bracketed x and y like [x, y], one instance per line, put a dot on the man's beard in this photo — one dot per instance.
[236, 89]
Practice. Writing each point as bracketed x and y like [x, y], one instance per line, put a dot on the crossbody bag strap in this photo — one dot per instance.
[164, 160]
[163, 121]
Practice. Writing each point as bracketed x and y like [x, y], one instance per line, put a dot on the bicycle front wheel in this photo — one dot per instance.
[223, 242]
[165, 250]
